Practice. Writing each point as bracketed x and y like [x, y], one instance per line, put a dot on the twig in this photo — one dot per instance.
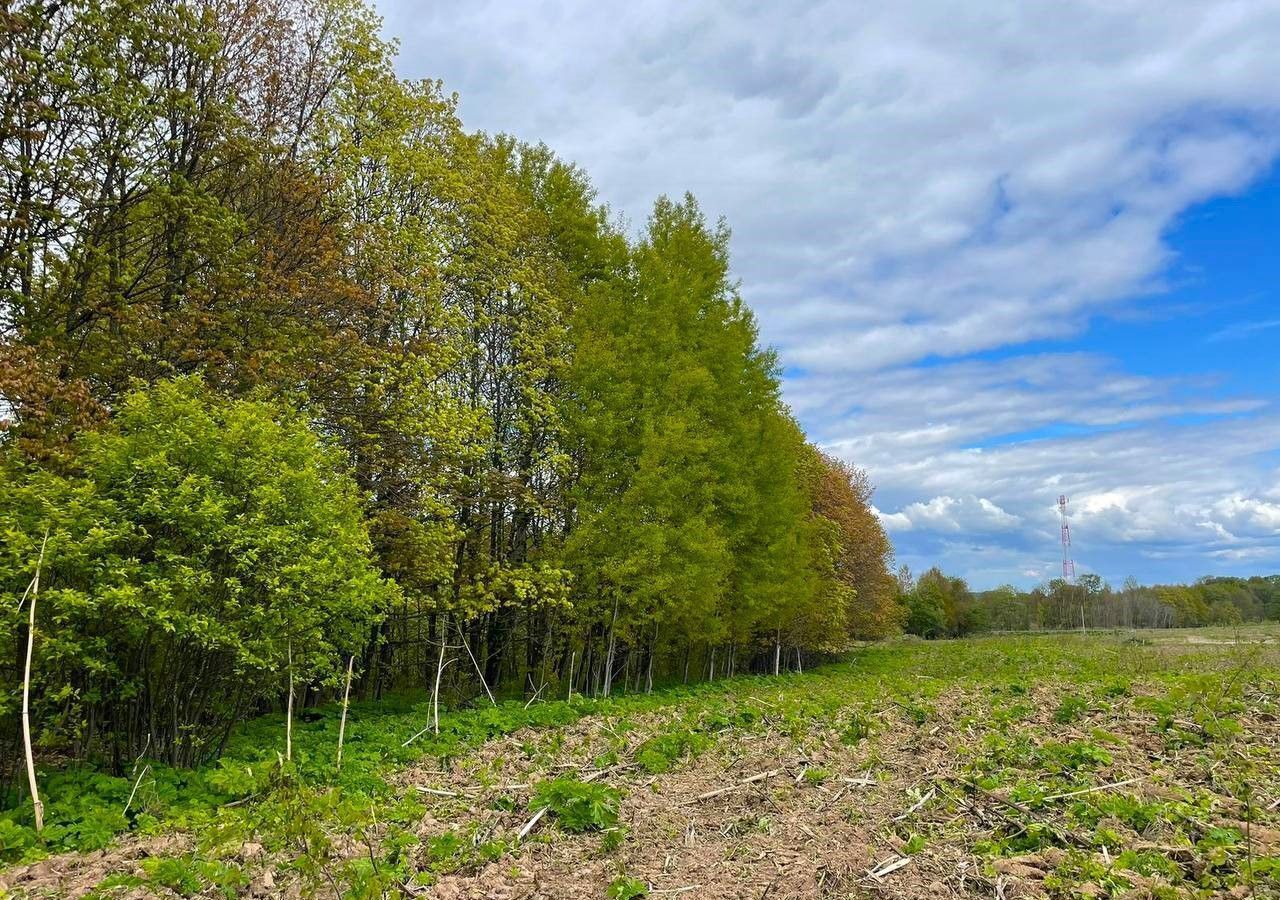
[535, 693]
[288, 716]
[759, 776]
[416, 736]
[919, 803]
[438, 792]
[346, 696]
[887, 867]
[483, 683]
[435, 693]
[141, 774]
[1061, 833]
[37, 806]
[1101, 787]
[537, 817]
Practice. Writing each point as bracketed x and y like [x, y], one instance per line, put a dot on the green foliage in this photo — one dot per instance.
[858, 728]
[308, 805]
[613, 838]
[626, 888]
[937, 604]
[577, 806]
[1070, 709]
[183, 875]
[659, 753]
[1092, 603]
[914, 844]
[538, 431]
[193, 529]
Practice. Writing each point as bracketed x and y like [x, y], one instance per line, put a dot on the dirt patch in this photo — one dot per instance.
[706, 830]
[76, 874]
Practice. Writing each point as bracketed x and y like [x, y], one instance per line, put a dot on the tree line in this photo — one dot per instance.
[939, 605]
[297, 373]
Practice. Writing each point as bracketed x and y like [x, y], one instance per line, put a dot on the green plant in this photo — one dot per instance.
[188, 876]
[614, 837]
[858, 728]
[192, 527]
[1070, 709]
[659, 753]
[577, 805]
[625, 888]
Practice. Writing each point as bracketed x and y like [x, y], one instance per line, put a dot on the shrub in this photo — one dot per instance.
[197, 546]
[577, 805]
[659, 753]
[626, 888]
[1070, 709]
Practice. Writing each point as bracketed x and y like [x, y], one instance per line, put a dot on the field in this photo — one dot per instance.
[1145, 764]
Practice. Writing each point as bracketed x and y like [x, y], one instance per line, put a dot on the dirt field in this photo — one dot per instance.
[1001, 767]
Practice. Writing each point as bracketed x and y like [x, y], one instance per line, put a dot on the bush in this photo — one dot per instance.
[197, 546]
[925, 615]
[578, 806]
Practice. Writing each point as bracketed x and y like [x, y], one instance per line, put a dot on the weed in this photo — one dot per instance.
[858, 729]
[1070, 709]
[659, 753]
[613, 838]
[625, 888]
[577, 805]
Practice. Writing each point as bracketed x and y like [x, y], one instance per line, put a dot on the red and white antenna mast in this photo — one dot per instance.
[1068, 564]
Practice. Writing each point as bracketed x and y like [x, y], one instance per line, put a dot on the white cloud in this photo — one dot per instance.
[925, 181]
[952, 514]
[1249, 515]
[1025, 429]
[1243, 329]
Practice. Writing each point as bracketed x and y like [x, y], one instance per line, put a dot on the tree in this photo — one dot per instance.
[842, 495]
[649, 385]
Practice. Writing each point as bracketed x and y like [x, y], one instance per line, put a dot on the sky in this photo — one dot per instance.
[1005, 250]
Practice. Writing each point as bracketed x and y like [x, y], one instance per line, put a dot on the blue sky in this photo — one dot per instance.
[1005, 250]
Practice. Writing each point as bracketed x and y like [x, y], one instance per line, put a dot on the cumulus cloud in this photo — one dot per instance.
[951, 514]
[911, 184]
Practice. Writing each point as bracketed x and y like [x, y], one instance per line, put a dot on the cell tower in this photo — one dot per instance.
[1068, 564]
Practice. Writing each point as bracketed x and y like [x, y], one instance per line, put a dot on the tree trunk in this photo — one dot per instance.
[288, 715]
[435, 691]
[608, 666]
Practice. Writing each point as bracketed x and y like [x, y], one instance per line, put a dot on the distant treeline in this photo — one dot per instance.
[938, 605]
[296, 373]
